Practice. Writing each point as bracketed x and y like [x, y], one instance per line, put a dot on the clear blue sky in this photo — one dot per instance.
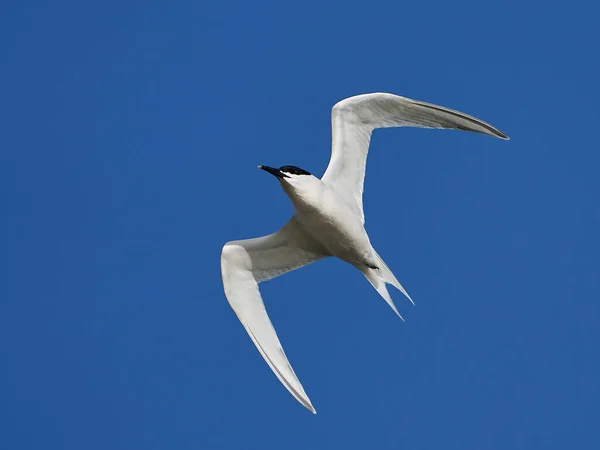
[130, 137]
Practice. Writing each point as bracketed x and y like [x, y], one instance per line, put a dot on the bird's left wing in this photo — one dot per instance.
[246, 263]
[354, 119]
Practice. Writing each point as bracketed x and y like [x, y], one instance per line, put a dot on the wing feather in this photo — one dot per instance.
[354, 119]
[246, 263]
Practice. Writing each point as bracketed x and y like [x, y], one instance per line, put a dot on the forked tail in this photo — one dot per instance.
[379, 277]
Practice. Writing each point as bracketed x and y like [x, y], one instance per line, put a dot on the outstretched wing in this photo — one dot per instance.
[353, 120]
[246, 263]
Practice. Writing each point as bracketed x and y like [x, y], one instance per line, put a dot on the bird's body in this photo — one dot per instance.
[328, 218]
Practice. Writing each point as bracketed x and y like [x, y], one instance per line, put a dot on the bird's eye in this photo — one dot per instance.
[293, 170]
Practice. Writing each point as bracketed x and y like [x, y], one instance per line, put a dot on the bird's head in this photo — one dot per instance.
[294, 180]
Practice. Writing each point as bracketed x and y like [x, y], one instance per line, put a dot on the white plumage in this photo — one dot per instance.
[328, 218]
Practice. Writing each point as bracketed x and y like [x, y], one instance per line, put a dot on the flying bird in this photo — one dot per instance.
[328, 218]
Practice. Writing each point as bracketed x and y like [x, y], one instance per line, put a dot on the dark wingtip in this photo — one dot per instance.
[501, 135]
[489, 129]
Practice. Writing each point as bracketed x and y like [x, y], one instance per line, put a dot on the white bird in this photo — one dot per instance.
[328, 218]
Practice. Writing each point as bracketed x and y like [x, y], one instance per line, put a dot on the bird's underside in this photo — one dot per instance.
[246, 263]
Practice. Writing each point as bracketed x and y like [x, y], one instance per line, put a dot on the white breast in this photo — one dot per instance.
[331, 221]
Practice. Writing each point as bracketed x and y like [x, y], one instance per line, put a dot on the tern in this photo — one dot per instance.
[328, 218]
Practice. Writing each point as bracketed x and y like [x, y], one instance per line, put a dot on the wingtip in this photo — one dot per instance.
[491, 131]
[308, 405]
[502, 136]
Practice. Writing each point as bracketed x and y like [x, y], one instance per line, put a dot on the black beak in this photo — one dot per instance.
[273, 171]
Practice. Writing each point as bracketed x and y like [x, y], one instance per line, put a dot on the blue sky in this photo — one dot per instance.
[131, 134]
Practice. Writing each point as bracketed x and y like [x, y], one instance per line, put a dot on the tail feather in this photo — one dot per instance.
[378, 277]
[379, 285]
[389, 277]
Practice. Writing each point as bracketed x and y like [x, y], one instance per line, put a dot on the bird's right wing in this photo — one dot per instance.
[354, 119]
[246, 263]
